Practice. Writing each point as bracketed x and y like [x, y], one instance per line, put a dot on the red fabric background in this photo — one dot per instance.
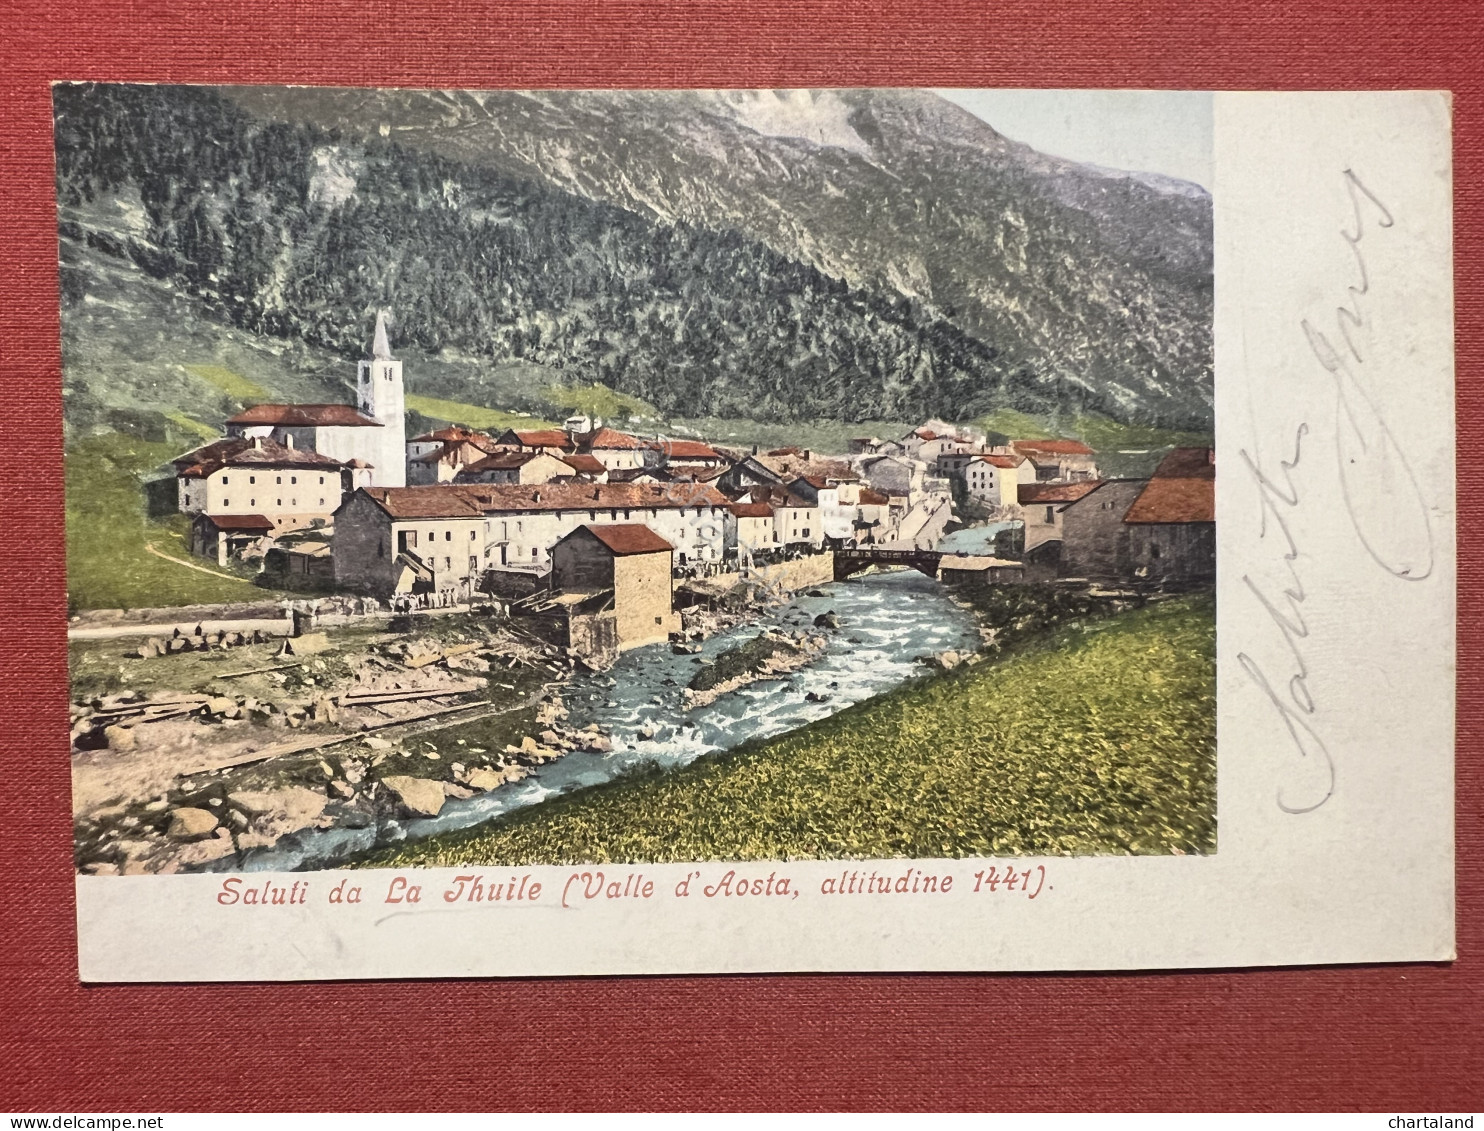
[1388, 1038]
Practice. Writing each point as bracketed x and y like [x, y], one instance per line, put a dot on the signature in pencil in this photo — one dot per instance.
[1381, 497]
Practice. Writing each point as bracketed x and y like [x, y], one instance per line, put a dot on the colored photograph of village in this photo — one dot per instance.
[502, 478]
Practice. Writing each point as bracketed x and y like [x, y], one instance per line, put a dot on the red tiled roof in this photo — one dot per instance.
[538, 438]
[684, 449]
[872, 498]
[1053, 447]
[627, 538]
[999, 461]
[240, 523]
[608, 438]
[1036, 493]
[456, 433]
[305, 415]
[244, 451]
[752, 510]
[1182, 489]
[455, 500]
[502, 461]
[586, 464]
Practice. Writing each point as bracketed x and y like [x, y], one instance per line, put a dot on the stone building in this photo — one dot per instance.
[1095, 544]
[1044, 504]
[1159, 532]
[631, 561]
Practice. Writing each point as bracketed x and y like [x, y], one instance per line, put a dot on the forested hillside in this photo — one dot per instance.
[299, 232]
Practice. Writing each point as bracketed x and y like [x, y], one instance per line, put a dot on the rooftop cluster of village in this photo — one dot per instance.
[334, 496]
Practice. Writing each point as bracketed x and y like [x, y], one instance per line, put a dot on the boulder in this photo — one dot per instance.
[453, 789]
[342, 789]
[529, 745]
[827, 620]
[221, 705]
[188, 823]
[205, 851]
[482, 779]
[310, 643]
[375, 743]
[420, 796]
[597, 744]
[119, 738]
[280, 811]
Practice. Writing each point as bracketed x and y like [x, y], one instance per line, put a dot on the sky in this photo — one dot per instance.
[1146, 131]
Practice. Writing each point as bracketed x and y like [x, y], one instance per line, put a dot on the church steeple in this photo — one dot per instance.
[381, 350]
[379, 395]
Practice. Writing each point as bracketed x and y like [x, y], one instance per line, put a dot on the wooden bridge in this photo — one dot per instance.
[858, 558]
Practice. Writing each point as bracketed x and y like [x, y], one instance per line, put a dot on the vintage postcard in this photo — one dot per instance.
[581, 532]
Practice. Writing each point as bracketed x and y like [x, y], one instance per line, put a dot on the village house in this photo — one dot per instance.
[894, 476]
[779, 468]
[750, 527]
[797, 521]
[520, 467]
[687, 454]
[633, 563]
[1044, 504]
[257, 478]
[995, 480]
[446, 536]
[552, 441]
[1058, 461]
[439, 457]
[373, 432]
[617, 451]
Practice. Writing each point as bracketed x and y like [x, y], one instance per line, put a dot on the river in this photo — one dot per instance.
[887, 621]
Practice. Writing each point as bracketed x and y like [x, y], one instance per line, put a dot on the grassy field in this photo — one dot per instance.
[471, 415]
[1101, 740]
[1123, 450]
[236, 386]
[108, 566]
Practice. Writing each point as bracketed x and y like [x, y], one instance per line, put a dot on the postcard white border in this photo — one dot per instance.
[1366, 876]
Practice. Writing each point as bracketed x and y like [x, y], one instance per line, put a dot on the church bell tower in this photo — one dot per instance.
[379, 396]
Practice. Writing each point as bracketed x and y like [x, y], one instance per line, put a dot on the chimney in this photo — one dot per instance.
[537, 496]
[288, 441]
[257, 443]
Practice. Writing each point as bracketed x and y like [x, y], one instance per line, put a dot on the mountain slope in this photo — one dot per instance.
[1097, 278]
[686, 249]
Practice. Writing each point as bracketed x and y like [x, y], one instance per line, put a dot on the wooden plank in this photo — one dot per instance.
[319, 742]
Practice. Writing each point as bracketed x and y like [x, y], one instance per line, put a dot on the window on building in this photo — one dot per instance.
[251, 502]
[226, 502]
[322, 502]
[381, 549]
[321, 478]
[250, 479]
[473, 535]
[473, 563]
[448, 535]
[278, 503]
[447, 564]
[1050, 514]
[278, 479]
[806, 532]
[293, 479]
[533, 551]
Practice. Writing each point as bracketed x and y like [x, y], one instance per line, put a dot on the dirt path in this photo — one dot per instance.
[150, 548]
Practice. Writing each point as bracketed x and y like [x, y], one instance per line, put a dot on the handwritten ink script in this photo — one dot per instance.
[1381, 496]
